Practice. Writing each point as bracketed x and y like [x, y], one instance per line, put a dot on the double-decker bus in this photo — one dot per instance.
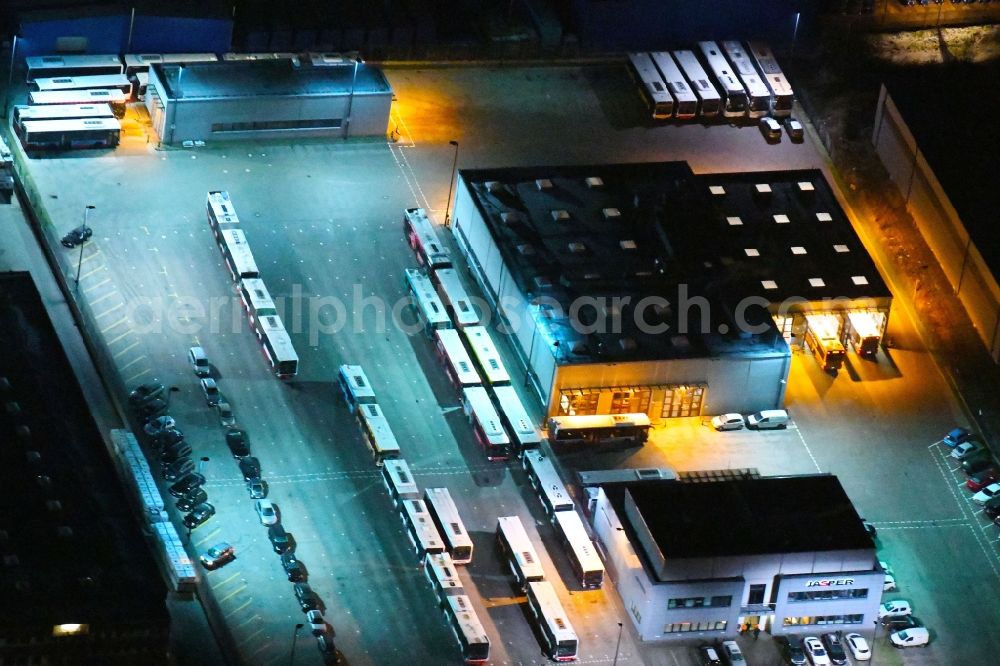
[220, 212]
[734, 96]
[355, 386]
[709, 101]
[98, 82]
[378, 435]
[430, 310]
[467, 628]
[256, 300]
[823, 338]
[455, 358]
[455, 298]
[61, 112]
[546, 482]
[580, 549]
[116, 99]
[399, 481]
[781, 89]
[71, 133]
[420, 528]
[685, 101]
[72, 65]
[277, 347]
[517, 549]
[140, 62]
[599, 429]
[423, 238]
[651, 87]
[523, 433]
[445, 514]
[758, 94]
[443, 575]
[486, 356]
[548, 614]
[237, 255]
[486, 423]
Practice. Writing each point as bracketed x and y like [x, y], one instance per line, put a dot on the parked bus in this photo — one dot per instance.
[377, 433]
[61, 112]
[546, 482]
[685, 101]
[445, 514]
[580, 549]
[420, 527]
[399, 481]
[464, 623]
[455, 298]
[734, 96]
[136, 63]
[256, 300]
[781, 89]
[516, 547]
[72, 65]
[260, 56]
[709, 101]
[423, 238]
[236, 252]
[599, 429]
[430, 310]
[115, 98]
[823, 339]
[443, 576]
[355, 386]
[220, 212]
[865, 332]
[549, 616]
[99, 82]
[651, 87]
[486, 423]
[455, 358]
[73, 133]
[523, 433]
[486, 356]
[140, 84]
[278, 347]
[758, 94]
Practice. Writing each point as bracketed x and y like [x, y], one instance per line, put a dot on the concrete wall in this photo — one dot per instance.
[938, 222]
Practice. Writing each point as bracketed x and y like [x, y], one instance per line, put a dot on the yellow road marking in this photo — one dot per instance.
[137, 375]
[127, 332]
[110, 310]
[233, 593]
[126, 349]
[102, 267]
[132, 362]
[120, 321]
[107, 295]
[95, 286]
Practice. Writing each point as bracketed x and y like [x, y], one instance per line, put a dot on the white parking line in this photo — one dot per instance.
[96, 286]
[102, 267]
[111, 326]
[137, 375]
[127, 332]
[132, 362]
[110, 310]
[107, 295]
[808, 450]
[134, 344]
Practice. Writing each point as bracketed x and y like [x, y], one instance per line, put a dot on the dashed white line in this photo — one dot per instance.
[808, 450]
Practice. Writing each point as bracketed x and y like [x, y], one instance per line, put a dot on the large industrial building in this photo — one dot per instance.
[697, 560]
[291, 97]
[647, 288]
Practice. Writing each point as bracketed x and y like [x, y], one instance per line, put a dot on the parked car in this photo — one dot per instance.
[199, 362]
[885, 566]
[728, 422]
[708, 656]
[915, 637]
[977, 463]
[172, 454]
[869, 528]
[324, 642]
[980, 480]
[192, 499]
[308, 600]
[293, 567]
[151, 409]
[316, 622]
[992, 508]
[257, 488]
[199, 515]
[218, 555]
[143, 393]
[280, 540]
[158, 425]
[956, 437]
[236, 440]
[225, 412]
[177, 469]
[815, 651]
[794, 129]
[768, 419]
[900, 623]
[250, 467]
[77, 236]
[791, 650]
[733, 653]
[187, 484]
[211, 391]
[771, 130]
[835, 648]
[267, 511]
[895, 608]
[889, 584]
[858, 646]
[966, 449]
[166, 439]
[987, 493]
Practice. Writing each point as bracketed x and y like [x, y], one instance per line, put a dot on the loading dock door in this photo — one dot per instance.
[681, 401]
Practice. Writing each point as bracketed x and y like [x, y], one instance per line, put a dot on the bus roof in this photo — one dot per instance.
[485, 414]
[581, 543]
[461, 607]
[139, 61]
[357, 381]
[109, 95]
[457, 356]
[67, 124]
[83, 82]
[376, 423]
[281, 344]
[222, 208]
[427, 299]
[599, 421]
[672, 76]
[523, 549]
[402, 478]
[486, 353]
[457, 297]
[548, 479]
[256, 292]
[522, 427]
[72, 61]
[552, 610]
[53, 111]
[424, 231]
[724, 73]
[696, 75]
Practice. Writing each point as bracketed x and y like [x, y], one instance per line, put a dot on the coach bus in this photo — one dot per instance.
[72, 133]
[823, 339]
[523, 433]
[140, 62]
[758, 94]
[550, 618]
[61, 112]
[580, 549]
[652, 89]
[445, 514]
[115, 98]
[443, 576]
[100, 82]
[599, 429]
[256, 300]
[709, 101]
[236, 252]
[546, 482]
[423, 238]
[734, 96]
[464, 623]
[486, 423]
[72, 65]
[278, 347]
[420, 528]
[355, 386]
[220, 212]
[781, 89]
[430, 310]
[517, 549]
[399, 481]
[378, 435]
[455, 358]
[486, 356]
[455, 298]
[686, 103]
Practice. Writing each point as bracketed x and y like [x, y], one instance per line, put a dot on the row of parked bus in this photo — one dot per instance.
[261, 309]
[739, 81]
[827, 335]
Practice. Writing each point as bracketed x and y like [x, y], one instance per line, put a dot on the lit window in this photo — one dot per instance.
[859, 280]
[841, 248]
[70, 629]
[781, 219]
[627, 244]
[717, 190]
[806, 186]
[769, 284]
[824, 217]
[816, 282]
[798, 249]
[752, 252]
[734, 221]
[763, 188]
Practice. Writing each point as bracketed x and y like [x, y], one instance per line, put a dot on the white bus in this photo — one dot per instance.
[485, 353]
[516, 547]
[652, 89]
[781, 89]
[455, 298]
[548, 613]
[580, 549]
[430, 309]
[685, 101]
[72, 133]
[546, 482]
[260, 56]
[486, 423]
[599, 429]
[734, 96]
[399, 481]
[709, 101]
[865, 332]
[377, 433]
[455, 358]
[423, 238]
[277, 347]
[61, 112]
[523, 433]
[465, 624]
[445, 514]
[72, 65]
[140, 84]
[256, 300]
[97, 82]
[140, 62]
[236, 252]
[355, 386]
[115, 98]
[443, 576]
[420, 528]
[220, 212]
[758, 94]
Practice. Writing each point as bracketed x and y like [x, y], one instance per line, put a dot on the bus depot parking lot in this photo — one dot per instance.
[324, 219]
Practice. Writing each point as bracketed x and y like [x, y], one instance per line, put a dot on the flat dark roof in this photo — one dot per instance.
[770, 515]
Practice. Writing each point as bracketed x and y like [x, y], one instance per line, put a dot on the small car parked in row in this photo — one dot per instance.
[956, 437]
[816, 652]
[199, 515]
[835, 649]
[915, 637]
[794, 129]
[980, 480]
[218, 555]
[211, 391]
[77, 236]
[728, 422]
[771, 130]
[987, 493]
[966, 449]
[858, 646]
[267, 511]
[199, 362]
[897, 608]
[768, 419]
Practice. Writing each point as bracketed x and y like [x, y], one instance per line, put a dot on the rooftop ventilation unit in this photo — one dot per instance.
[543, 184]
[543, 282]
[627, 344]
[526, 250]
[763, 189]
[611, 213]
[577, 247]
[560, 216]
[510, 217]
[594, 182]
[493, 186]
[627, 244]
[717, 190]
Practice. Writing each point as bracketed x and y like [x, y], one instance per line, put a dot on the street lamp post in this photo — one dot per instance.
[295, 638]
[350, 100]
[79, 263]
[619, 643]
[451, 184]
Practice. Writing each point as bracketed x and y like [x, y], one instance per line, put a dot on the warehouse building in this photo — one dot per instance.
[284, 98]
[698, 559]
[647, 288]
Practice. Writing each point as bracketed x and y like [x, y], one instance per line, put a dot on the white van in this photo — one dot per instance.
[912, 637]
[199, 362]
[768, 419]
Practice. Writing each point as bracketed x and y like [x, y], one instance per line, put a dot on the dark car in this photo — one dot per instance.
[293, 568]
[835, 649]
[992, 507]
[791, 650]
[236, 440]
[308, 600]
[981, 479]
[151, 409]
[186, 485]
[258, 489]
[199, 515]
[174, 453]
[177, 469]
[77, 236]
[326, 647]
[217, 556]
[977, 463]
[869, 528]
[280, 540]
[899, 623]
[192, 499]
[709, 656]
[168, 439]
[250, 467]
[143, 393]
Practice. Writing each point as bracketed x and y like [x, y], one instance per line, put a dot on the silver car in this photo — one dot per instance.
[225, 412]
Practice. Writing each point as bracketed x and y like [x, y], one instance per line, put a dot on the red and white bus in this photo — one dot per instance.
[486, 423]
